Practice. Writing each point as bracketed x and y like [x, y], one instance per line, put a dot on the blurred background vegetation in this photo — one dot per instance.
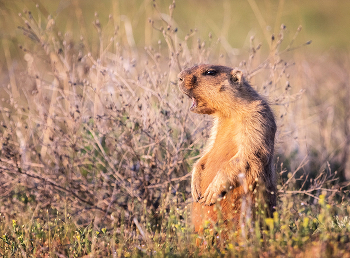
[323, 21]
[321, 118]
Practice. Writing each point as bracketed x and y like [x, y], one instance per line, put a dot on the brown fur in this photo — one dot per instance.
[241, 142]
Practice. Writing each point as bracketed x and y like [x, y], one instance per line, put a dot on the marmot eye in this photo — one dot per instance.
[210, 72]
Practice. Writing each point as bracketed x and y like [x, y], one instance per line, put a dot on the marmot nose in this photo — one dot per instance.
[181, 76]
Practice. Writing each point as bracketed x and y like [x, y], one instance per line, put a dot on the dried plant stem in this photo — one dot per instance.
[261, 20]
[14, 89]
[301, 165]
[49, 122]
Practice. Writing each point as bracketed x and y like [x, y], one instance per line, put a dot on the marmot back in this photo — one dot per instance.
[239, 153]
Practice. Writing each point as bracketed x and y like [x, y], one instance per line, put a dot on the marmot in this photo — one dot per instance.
[241, 145]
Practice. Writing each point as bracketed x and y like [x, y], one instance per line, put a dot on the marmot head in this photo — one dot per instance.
[211, 87]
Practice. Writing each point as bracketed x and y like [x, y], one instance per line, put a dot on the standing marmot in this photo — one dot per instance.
[239, 153]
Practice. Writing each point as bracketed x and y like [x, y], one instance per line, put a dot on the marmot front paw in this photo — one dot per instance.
[196, 188]
[216, 189]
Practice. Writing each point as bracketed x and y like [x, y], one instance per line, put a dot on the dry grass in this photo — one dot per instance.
[97, 146]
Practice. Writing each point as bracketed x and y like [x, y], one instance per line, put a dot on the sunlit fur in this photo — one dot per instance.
[241, 141]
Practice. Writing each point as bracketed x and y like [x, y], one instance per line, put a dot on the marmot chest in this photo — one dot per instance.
[224, 148]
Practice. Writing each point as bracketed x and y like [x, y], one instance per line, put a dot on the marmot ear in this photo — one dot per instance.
[237, 76]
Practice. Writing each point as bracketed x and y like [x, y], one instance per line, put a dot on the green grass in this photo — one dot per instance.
[297, 228]
[97, 142]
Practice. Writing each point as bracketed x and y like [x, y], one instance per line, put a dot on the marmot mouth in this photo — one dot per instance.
[194, 103]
